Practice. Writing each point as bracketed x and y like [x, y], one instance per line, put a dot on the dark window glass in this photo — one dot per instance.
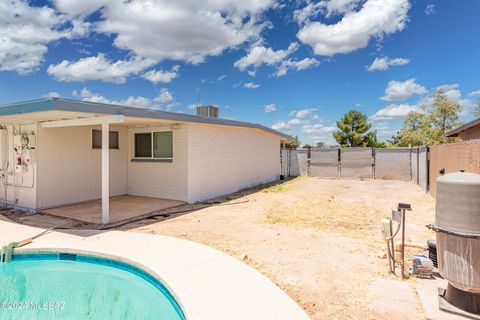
[163, 144]
[97, 139]
[143, 145]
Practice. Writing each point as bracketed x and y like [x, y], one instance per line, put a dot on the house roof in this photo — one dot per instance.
[456, 131]
[80, 107]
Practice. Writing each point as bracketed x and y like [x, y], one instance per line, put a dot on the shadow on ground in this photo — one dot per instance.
[73, 226]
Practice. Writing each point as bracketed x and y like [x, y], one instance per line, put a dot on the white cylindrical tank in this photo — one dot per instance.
[457, 220]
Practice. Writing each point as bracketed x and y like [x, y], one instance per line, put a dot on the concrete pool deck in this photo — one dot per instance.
[207, 283]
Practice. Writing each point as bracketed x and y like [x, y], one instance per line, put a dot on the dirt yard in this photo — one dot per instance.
[318, 239]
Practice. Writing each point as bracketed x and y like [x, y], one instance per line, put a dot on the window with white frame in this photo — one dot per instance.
[153, 145]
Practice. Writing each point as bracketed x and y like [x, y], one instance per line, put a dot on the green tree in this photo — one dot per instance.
[430, 124]
[443, 113]
[354, 131]
[293, 144]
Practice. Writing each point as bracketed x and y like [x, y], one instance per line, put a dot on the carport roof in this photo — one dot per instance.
[69, 105]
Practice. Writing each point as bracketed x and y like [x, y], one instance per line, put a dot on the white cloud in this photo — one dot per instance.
[384, 63]
[340, 6]
[165, 96]
[317, 132]
[303, 113]
[308, 125]
[270, 108]
[220, 78]
[393, 111]
[329, 8]
[374, 20]
[430, 9]
[157, 76]
[318, 128]
[98, 68]
[52, 94]
[384, 132]
[76, 8]
[295, 122]
[397, 90]
[280, 126]
[289, 64]
[475, 93]
[25, 32]
[164, 101]
[259, 55]
[183, 30]
[453, 93]
[251, 85]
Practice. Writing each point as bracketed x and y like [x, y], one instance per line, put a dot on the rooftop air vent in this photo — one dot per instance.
[207, 111]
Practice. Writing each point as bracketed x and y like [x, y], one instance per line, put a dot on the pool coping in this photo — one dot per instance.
[131, 264]
[206, 283]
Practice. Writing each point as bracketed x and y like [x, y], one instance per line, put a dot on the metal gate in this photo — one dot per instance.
[356, 163]
[324, 162]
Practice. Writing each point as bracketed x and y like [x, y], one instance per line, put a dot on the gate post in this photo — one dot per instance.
[339, 163]
[373, 163]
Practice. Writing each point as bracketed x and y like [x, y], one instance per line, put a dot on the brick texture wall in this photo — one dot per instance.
[224, 159]
[470, 134]
[453, 157]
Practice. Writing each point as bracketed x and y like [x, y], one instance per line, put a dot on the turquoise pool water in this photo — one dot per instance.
[65, 286]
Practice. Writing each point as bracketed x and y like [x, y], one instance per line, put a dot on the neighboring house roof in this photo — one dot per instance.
[469, 125]
[69, 105]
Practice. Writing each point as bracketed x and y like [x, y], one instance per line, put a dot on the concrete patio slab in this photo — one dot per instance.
[207, 283]
[121, 208]
[427, 291]
[384, 291]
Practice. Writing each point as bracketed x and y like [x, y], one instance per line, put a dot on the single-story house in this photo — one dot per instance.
[469, 131]
[56, 152]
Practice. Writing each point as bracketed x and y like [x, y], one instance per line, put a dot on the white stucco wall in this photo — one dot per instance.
[25, 191]
[69, 170]
[225, 159]
[156, 179]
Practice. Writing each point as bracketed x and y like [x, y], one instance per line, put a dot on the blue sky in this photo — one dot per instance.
[296, 66]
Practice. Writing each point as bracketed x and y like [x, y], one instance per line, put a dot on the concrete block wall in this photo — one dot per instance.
[393, 164]
[454, 157]
[225, 159]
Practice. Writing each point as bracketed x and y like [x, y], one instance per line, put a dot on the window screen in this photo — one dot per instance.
[163, 144]
[143, 145]
[97, 139]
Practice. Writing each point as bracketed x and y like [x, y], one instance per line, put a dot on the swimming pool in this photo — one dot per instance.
[71, 286]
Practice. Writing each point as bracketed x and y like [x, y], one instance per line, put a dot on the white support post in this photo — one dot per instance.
[105, 174]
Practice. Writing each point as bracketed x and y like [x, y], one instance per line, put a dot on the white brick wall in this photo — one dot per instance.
[225, 159]
[161, 180]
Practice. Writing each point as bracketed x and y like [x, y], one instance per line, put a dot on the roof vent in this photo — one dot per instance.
[207, 111]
